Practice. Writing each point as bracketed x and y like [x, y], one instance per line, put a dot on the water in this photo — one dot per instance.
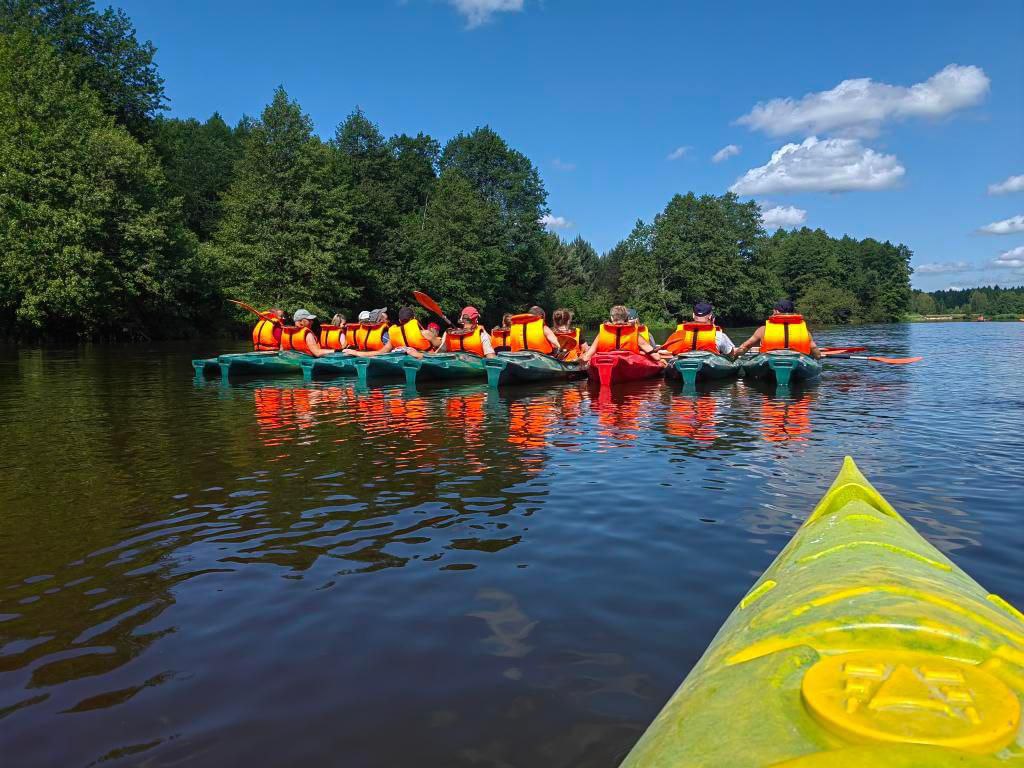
[275, 573]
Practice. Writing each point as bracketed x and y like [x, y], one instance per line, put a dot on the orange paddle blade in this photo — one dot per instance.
[428, 303]
[890, 360]
[243, 305]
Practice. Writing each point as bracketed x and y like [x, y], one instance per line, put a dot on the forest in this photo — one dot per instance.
[991, 302]
[118, 222]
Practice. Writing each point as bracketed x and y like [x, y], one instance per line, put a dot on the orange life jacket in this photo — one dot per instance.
[296, 339]
[645, 334]
[573, 335]
[693, 337]
[614, 336]
[266, 336]
[499, 337]
[786, 332]
[369, 337]
[465, 341]
[332, 337]
[409, 335]
[527, 334]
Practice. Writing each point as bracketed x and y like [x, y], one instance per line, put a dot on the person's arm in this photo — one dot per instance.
[485, 342]
[356, 353]
[552, 339]
[648, 348]
[725, 345]
[754, 340]
[591, 351]
[815, 352]
[314, 347]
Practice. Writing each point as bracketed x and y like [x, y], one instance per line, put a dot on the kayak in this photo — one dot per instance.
[337, 364]
[249, 364]
[388, 365]
[691, 366]
[861, 645]
[443, 366]
[783, 365]
[525, 367]
[616, 367]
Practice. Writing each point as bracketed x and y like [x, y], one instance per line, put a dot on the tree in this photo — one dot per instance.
[923, 303]
[285, 238]
[91, 243]
[828, 304]
[99, 50]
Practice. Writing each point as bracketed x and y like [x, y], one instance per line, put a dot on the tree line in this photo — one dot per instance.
[118, 222]
[988, 301]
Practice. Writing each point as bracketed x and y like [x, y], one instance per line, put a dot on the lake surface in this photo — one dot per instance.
[276, 573]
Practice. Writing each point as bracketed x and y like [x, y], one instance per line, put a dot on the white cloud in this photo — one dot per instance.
[479, 12]
[1011, 259]
[561, 165]
[555, 222]
[1008, 226]
[677, 153]
[783, 216]
[859, 107]
[1012, 184]
[943, 268]
[729, 150]
[827, 165]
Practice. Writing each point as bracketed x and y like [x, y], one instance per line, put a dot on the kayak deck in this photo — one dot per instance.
[611, 368]
[337, 364]
[526, 367]
[691, 366]
[249, 364]
[861, 645]
[386, 366]
[443, 366]
[783, 365]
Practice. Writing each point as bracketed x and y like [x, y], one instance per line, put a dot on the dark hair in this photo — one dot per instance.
[785, 305]
[538, 311]
[561, 318]
[405, 314]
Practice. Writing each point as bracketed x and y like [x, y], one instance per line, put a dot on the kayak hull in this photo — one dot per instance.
[861, 645]
[528, 367]
[386, 366]
[250, 364]
[610, 368]
[337, 364]
[694, 366]
[444, 366]
[782, 366]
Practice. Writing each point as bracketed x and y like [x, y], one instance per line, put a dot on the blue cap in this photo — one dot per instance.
[702, 308]
[633, 315]
[785, 305]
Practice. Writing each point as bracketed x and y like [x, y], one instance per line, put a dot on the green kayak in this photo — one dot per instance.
[443, 366]
[527, 367]
[386, 366]
[250, 364]
[861, 646]
[691, 366]
[782, 365]
[337, 364]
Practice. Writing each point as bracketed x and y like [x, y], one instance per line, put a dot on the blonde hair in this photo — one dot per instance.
[619, 314]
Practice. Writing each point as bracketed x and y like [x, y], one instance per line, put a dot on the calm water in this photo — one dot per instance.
[275, 573]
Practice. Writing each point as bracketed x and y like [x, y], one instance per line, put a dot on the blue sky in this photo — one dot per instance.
[621, 105]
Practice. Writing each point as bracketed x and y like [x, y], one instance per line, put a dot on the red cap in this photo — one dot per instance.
[470, 312]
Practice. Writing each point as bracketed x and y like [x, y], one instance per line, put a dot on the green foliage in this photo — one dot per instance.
[285, 238]
[922, 303]
[99, 50]
[829, 304]
[990, 301]
[90, 241]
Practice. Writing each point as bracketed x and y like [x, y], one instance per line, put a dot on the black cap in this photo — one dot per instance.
[702, 308]
[785, 305]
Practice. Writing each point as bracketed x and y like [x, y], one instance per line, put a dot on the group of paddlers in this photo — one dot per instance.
[374, 334]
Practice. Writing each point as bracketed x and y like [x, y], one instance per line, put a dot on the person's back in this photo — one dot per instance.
[529, 333]
[784, 329]
[618, 333]
[699, 335]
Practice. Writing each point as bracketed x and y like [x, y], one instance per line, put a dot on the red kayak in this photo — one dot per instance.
[614, 367]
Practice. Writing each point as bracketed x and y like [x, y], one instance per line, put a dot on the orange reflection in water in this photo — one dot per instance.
[784, 419]
[283, 411]
[466, 414]
[529, 421]
[619, 417]
[693, 417]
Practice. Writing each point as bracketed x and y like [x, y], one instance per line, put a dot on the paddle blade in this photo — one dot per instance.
[891, 360]
[243, 305]
[428, 303]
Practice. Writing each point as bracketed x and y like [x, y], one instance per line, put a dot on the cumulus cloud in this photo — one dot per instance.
[1008, 226]
[1011, 259]
[677, 153]
[555, 222]
[479, 12]
[943, 268]
[783, 216]
[1012, 184]
[828, 165]
[561, 165]
[729, 150]
[858, 107]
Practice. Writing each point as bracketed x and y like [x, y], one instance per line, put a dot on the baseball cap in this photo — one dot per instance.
[470, 312]
[702, 308]
[633, 315]
[303, 315]
[435, 327]
[364, 316]
[377, 314]
[785, 305]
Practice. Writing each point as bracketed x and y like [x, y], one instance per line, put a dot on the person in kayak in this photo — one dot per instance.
[783, 330]
[499, 333]
[300, 337]
[334, 335]
[433, 332]
[529, 333]
[469, 337]
[561, 319]
[701, 334]
[634, 317]
[372, 333]
[620, 332]
[266, 336]
[406, 336]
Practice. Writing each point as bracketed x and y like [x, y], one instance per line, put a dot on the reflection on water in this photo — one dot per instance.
[275, 572]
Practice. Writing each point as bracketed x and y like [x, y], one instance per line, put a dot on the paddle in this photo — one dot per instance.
[430, 305]
[842, 350]
[262, 315]
[886, 360]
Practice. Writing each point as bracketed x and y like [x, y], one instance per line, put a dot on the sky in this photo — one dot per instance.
[902, 121]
